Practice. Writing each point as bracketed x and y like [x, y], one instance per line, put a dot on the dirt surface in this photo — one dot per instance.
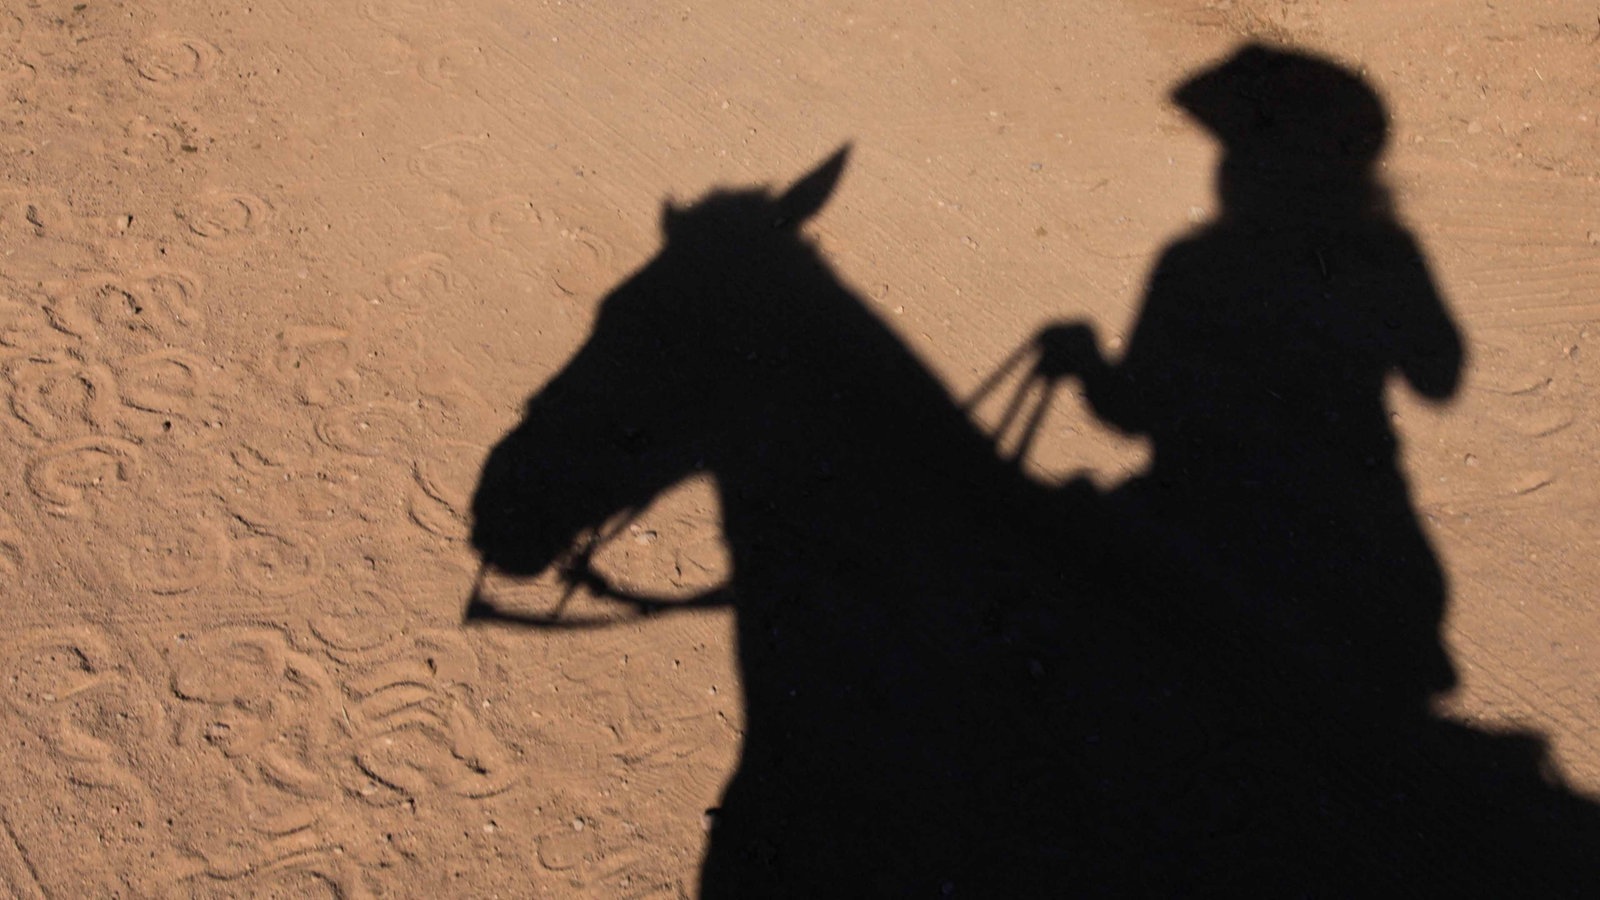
[276, 276]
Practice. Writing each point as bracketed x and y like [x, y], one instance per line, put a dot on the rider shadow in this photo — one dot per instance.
[1274, 527]
[1214, 679]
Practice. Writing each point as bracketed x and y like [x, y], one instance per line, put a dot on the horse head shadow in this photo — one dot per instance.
[890, 615]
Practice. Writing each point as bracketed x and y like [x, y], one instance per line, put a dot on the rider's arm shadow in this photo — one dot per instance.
[1126, 393]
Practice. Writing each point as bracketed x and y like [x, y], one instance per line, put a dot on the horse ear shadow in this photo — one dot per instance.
[670, 215]
[806, 197]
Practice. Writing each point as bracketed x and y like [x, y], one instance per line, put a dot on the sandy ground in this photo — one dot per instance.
[276, 275]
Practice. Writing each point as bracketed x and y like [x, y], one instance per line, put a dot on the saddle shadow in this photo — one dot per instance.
[1214, 679]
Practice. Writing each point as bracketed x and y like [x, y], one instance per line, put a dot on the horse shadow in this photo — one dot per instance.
[959, 680]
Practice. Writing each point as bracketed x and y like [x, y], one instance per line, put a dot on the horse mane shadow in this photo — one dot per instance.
[961, 681]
